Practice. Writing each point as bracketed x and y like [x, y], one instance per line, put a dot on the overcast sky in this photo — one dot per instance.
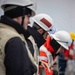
[61, 11]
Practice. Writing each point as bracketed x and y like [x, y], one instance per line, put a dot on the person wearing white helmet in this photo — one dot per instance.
[58, 41]
[42, 26]
[15, 56]
[68, 59]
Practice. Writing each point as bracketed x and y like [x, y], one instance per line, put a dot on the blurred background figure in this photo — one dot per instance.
[60, 41]
[70, 70]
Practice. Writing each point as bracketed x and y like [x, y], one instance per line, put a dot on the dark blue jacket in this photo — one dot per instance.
[17, 61]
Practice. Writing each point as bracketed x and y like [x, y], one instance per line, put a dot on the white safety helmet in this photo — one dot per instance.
[45, 22]
[29, 3]
[63, 38]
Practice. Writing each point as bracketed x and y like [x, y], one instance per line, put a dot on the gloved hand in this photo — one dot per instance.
[55, 72]
[44, 64]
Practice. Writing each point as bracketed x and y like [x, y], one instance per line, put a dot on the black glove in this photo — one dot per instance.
[55, 72]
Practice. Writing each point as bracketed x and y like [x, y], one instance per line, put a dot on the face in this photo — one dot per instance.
[45, 35]
[41, 32]
[26, 21]
[61, 49]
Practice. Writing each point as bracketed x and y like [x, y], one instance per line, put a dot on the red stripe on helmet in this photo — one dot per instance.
[47, 23]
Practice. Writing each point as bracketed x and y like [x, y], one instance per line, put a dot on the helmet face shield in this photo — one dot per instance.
[36, 26]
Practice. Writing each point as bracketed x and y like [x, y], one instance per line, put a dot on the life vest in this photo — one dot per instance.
[36, 50]
[46, 56]
[45, 71]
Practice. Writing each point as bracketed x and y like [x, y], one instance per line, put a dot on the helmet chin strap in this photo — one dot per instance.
[23, 17]
[22, 20]
[25, 13]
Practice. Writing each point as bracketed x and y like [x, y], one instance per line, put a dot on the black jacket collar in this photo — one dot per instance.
[15, 25]
[37, 36]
